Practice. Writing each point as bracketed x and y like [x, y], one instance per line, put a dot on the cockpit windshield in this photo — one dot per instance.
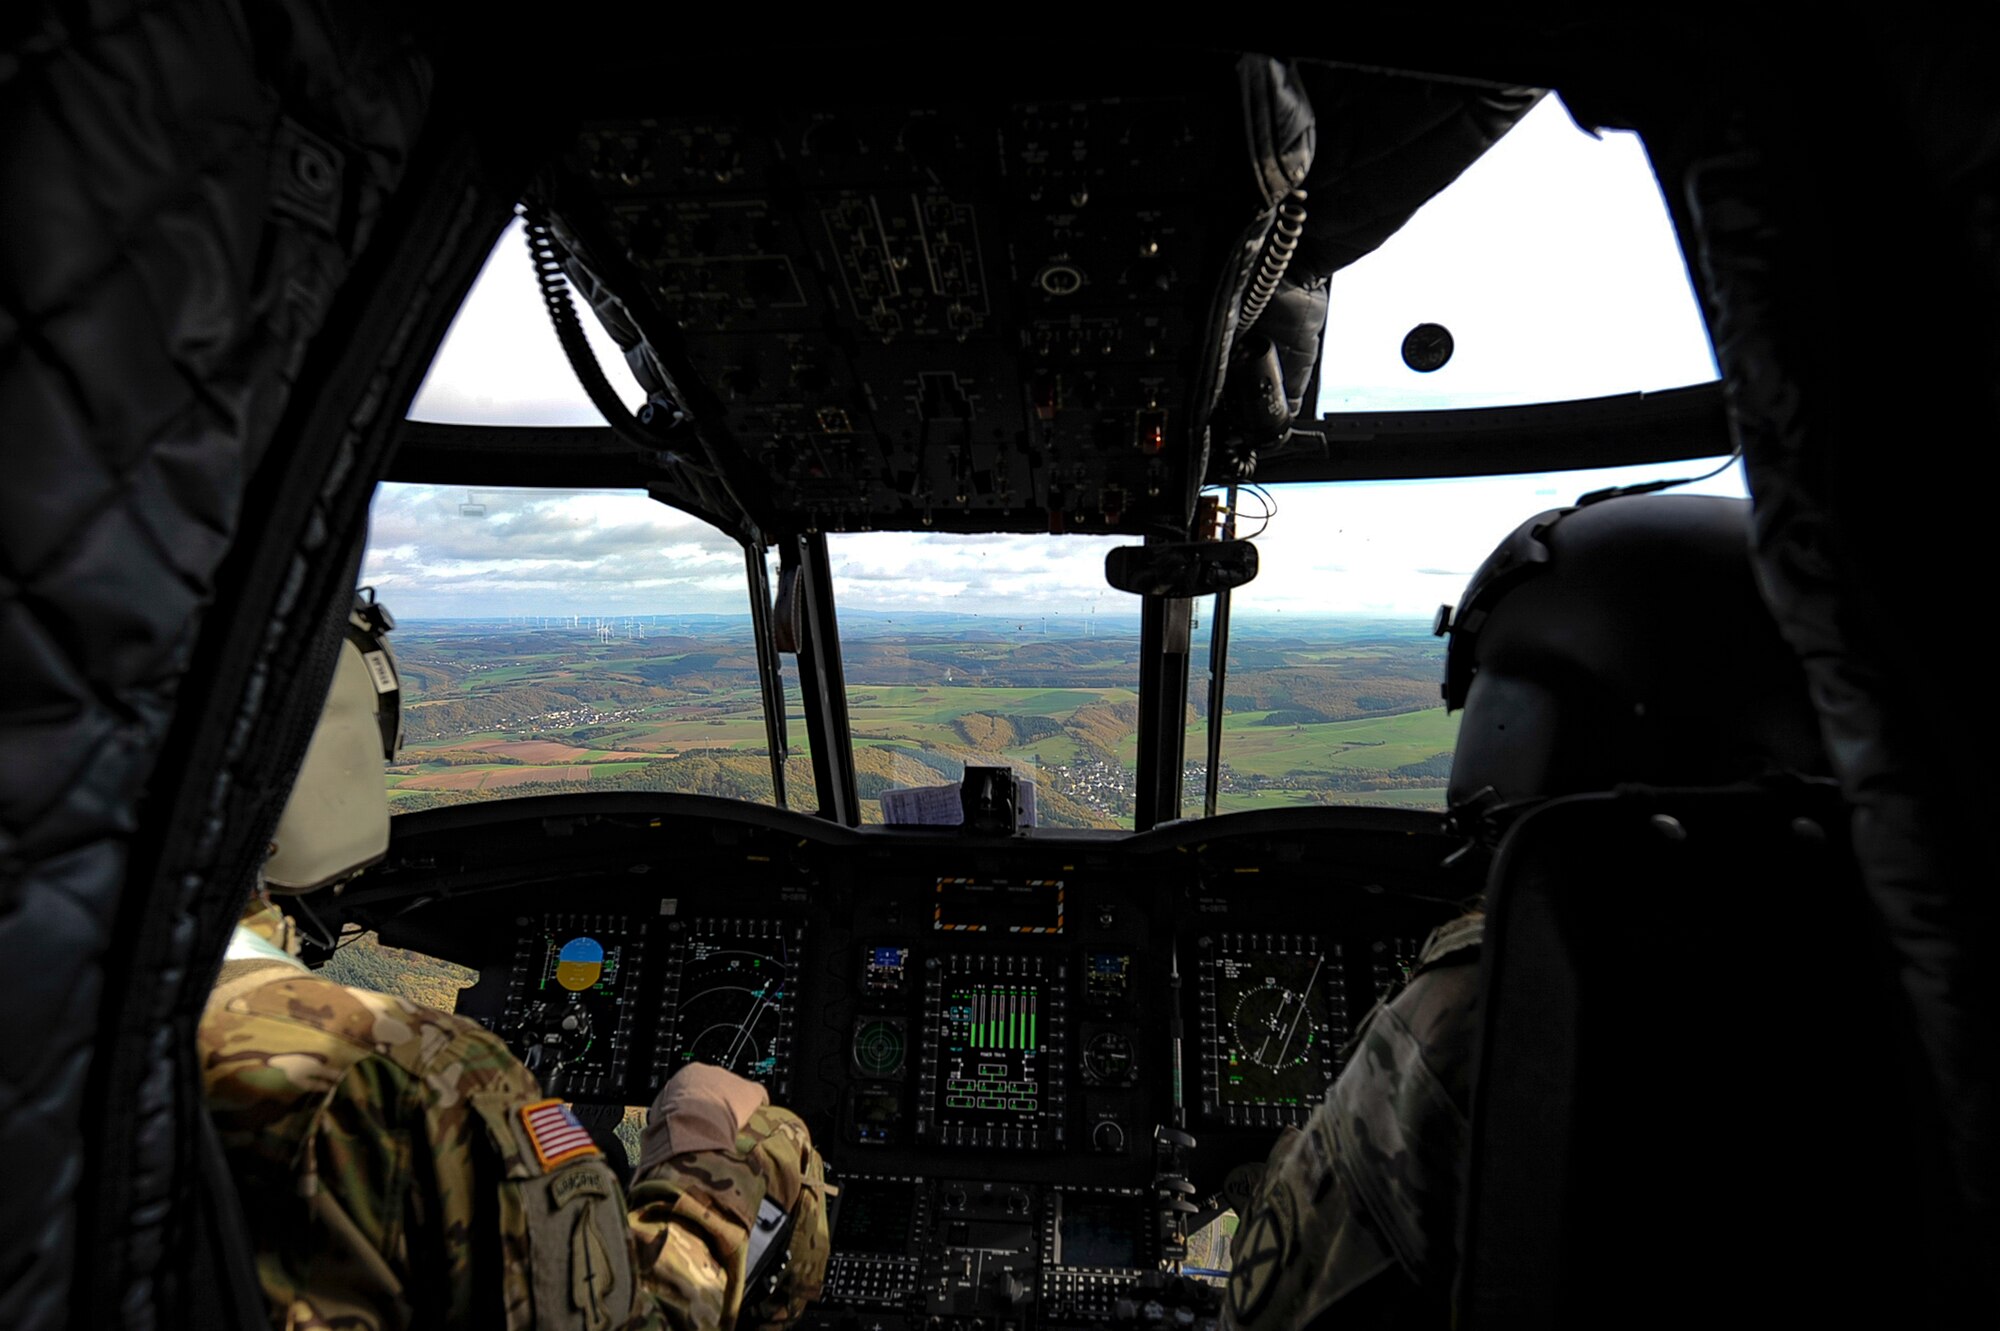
[994, 651]
[562, 640]
[559, 641]
[554, 641]
[1330, 692]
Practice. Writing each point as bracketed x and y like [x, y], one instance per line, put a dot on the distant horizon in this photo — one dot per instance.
[592, 619]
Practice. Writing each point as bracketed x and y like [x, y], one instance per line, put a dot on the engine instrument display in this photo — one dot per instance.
[568, 1017]
[994, 1052]
[730, 1000]
[1274, 1017]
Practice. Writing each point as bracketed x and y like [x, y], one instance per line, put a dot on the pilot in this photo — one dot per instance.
[400, 1168]
[1621, 641]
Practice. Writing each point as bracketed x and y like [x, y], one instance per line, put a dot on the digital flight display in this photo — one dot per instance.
[567, 1014]
[998, 905]
[1100, 1230]
[730, 999]
[877, 1216]
[995, 1051]
[884, 971]
[1273, 1020]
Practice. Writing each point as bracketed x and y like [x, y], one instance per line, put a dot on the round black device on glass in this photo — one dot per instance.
[1427, 347]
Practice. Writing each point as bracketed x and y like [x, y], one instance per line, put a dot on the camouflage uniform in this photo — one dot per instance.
[1356, 1216]
[390, 1169]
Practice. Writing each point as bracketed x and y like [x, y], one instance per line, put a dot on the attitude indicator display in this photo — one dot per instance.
[730, 999]
[568, 1013]
[995, 1049]
[1274, 1017]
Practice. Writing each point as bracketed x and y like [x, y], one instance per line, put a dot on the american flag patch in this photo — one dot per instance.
[555, 1133]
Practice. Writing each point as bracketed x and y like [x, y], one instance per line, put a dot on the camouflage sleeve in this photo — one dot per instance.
[407, 1172]
[1305, 1242]
[691, 1216]
[1360, 1207]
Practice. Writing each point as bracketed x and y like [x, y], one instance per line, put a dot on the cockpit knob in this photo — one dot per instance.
[1108, 1137]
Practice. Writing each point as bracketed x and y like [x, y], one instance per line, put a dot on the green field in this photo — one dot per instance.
[504, 712]
[1378, 744]
[1370, 744]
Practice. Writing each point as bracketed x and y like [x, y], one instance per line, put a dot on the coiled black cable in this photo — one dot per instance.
[554, 284]
[1277, 257]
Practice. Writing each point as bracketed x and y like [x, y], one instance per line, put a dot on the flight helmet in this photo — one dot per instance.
[336, 822]
[1622, 641]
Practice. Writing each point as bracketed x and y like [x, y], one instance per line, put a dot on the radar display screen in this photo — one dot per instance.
[996, 905]
[1100, 1229]
[879, 1048]
[994, 1053]
[1274, 1016]
[730, 1000]
[568, 1015]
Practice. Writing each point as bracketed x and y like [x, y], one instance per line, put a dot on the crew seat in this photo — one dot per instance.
[1691, 1106]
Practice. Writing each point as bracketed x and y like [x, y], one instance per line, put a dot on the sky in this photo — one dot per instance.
[1551, 260]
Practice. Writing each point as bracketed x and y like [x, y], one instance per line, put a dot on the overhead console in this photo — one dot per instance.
[1009, 1048]
[1001, 309]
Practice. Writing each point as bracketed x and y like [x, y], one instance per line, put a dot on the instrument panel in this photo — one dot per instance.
[1032, 1061]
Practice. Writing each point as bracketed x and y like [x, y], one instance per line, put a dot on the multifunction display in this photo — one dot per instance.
[568, 1013]
[994, 1052]
[730, 999]
[1274, 1016]
[1105, 1228]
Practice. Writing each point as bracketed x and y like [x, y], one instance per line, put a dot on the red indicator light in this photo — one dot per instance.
[1151, 431]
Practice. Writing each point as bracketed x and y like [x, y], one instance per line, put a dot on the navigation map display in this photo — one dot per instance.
[1273, 1020]
[994, 1057]
[730, 999]
[568, 1013]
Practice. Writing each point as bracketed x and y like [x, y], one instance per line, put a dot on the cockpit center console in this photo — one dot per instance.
[1029, 1065]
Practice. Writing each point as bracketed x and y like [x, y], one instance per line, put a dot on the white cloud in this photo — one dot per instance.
[445, 552]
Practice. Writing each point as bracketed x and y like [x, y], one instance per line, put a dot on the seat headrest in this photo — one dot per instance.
[1624, 641]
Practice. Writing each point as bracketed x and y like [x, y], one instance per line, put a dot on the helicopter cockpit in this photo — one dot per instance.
[923, 596]
[1047, 901]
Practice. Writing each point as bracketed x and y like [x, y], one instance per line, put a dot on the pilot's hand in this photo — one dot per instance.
[701, 1108]
[1158, 1301]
